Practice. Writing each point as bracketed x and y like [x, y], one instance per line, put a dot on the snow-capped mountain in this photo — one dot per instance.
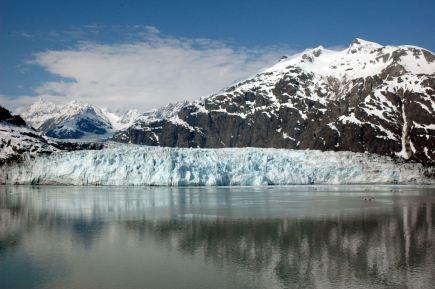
[75, 120]
[367, 97]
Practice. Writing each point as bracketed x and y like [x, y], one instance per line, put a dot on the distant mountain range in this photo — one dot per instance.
[75, 120]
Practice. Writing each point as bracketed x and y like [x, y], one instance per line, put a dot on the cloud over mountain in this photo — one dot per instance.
[145, 71]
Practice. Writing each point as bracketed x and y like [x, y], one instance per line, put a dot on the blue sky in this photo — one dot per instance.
[43, 42]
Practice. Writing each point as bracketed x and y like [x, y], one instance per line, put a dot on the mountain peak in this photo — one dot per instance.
[77, 103]
[359, 44]
[42, 102]
[311, 54]
[39, 111]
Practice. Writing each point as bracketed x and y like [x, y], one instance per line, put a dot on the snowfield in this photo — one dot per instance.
[141, 165]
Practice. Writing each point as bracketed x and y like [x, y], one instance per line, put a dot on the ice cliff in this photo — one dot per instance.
[142, 165]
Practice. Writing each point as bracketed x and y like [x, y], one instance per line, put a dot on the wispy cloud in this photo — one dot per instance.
[147, 70]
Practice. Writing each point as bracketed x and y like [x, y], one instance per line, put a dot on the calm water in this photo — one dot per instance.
[285, 237]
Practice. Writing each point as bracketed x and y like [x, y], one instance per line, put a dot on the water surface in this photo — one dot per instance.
[272, 237]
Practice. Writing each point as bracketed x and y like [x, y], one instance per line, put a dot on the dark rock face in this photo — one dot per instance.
[62, 133]
[390, 112]
[6, 116]
[87, 125]
[75, 146]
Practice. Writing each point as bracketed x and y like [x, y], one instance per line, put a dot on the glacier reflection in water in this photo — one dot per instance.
[279, 237]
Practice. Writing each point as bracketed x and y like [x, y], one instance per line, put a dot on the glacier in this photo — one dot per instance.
[128, 164]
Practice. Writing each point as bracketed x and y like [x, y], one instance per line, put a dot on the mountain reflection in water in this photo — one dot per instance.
[284, 237]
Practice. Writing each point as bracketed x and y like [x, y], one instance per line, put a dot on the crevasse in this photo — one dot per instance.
[142, 165]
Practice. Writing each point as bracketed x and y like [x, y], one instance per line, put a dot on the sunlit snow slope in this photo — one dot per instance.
[142, 165]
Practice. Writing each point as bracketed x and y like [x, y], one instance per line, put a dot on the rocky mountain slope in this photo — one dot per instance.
[17, 139]
[75, 120]
[366, 98]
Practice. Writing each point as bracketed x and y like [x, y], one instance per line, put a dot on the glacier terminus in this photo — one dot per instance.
[127, 164]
